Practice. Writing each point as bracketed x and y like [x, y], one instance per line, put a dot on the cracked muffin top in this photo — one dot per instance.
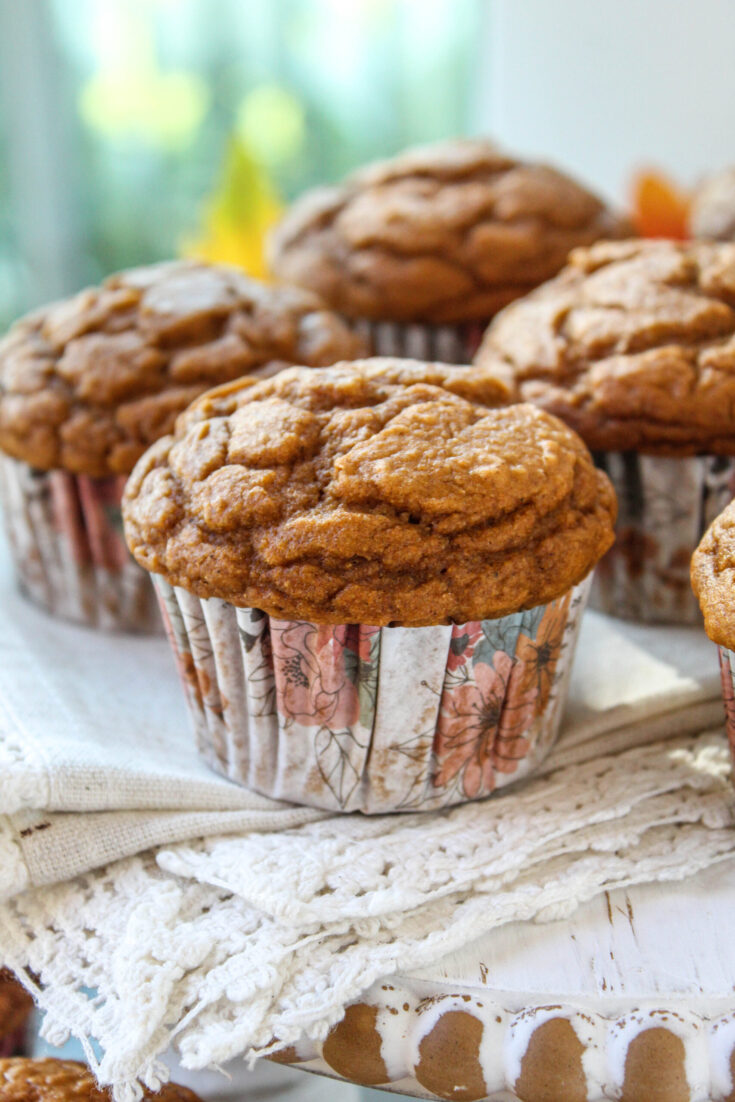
[15, 1003]
[713, 578]
[445, 233]
[25, 1080]
[379, 492]
[88, 384]
[633, 345]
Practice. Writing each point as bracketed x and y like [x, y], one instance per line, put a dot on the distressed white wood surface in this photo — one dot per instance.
[675, 942]
[654, 957]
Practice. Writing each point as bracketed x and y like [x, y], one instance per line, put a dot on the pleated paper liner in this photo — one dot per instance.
[452, 344]
[664, 507]
[65, 533]
[727, 673]
[13, 1044]
[372, 719]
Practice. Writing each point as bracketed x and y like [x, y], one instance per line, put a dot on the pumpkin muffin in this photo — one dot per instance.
[15, 1010]
[713, 581]
[633, 345]
[423, 249]
[345, 554]
[50, 1080]
[88, 384]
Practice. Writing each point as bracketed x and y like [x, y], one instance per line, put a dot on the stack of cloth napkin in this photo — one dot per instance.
[151, 902]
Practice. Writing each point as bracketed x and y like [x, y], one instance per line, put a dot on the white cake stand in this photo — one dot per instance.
[632, 998]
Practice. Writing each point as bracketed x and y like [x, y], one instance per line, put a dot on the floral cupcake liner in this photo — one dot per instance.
[65, 533]
[664, 508]
[451, 344]
[360, 718]
[727, 674]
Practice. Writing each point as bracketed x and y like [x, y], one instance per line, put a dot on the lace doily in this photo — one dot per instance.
[221, 946]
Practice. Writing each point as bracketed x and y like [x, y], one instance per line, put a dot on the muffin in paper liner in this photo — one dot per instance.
[361, 718]
[65, 534]
[450, 344]
[664, 507]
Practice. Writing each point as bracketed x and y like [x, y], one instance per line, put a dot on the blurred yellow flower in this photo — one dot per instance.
[130, 95]
[270, 120]
[238, 216]
[164, 109]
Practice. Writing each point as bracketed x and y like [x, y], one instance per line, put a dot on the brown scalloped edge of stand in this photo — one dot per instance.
[468, 1047]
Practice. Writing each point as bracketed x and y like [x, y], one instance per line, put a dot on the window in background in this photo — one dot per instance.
[9, 278]
[166, 124]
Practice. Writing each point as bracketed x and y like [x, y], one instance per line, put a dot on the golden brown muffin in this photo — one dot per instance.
[15, 1004]
[89, 383]
[712, 212]
[445, 233]
[633, 345]
[378, 492]
[713, 578]
[50, 1080]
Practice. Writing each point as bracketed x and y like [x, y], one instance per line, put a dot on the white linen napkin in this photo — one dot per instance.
[96, 725]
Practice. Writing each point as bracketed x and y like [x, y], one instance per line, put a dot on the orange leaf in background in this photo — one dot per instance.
[660, 208]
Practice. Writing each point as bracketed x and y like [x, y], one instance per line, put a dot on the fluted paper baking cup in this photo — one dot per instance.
[13, 1044]
[727, 674]
[65, 534]
[451, 344]
[360, 718]
[664, 508]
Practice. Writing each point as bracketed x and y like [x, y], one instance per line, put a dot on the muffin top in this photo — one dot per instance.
[89, 383]
[380, 492]
[15, 1003]
[445, 233]
[713, 578]
[712, 212]
[633, 345]
[24, 1080]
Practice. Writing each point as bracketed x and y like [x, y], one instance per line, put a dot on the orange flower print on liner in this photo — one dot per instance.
[539, 657]
[481, 726]
[316, 671]
[87, 511]
[462, 644]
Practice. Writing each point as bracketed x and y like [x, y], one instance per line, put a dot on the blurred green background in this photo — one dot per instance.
[132, 130]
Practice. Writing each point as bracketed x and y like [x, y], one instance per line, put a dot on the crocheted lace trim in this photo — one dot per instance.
[223, 945]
